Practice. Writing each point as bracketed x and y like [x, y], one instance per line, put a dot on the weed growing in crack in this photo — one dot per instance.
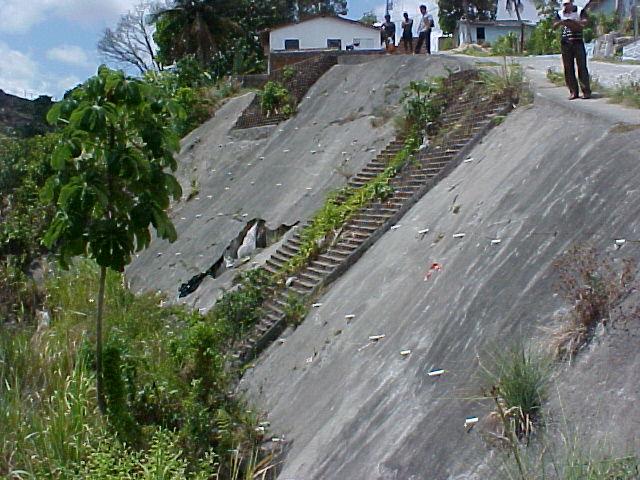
[594, 285]
[295, 310]
[518, 377]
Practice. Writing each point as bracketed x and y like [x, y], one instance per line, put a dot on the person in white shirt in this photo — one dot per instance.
[424, 30]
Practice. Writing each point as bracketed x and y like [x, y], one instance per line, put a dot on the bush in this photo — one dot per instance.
[592, 284]
[275, 99]
[544, 39]
[506, 45]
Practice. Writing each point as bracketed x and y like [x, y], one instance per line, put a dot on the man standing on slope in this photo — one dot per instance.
[572, 47]
[424, 30]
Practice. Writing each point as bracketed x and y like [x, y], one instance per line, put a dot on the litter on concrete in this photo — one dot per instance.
[469, 422]
[620, 242]
[423, 231]
[404, 353]
[459, 235]
[350, 317]
[375, 338]
[435, 267]
[290, 280]
[496, 241]
[468, 160]
[395, 227]
[436, 373]
[316, 305]
[309, 360]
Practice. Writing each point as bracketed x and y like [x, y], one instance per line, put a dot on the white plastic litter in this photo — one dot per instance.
[278, 184]
[309, 360]
[458, 235]
[309, 188]
[316, 305]
[350, 317]
[228, 262]
[198, 215]
[375, 338]
[470, 421]
[436, 373]
[404, 353]
[468, 160]
[249, 242]
[286, 150]
[395, 227]
[496, 241]
[289, 281]
[423, 231]
[620, 242]
[313, 152]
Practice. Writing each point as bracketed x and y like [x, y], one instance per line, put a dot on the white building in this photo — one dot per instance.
[324, 32]
[506, 21]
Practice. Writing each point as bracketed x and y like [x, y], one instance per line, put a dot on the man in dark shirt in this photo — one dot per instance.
[388, 33]
[572, 48]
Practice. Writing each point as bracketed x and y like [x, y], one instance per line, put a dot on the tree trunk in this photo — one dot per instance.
[102, 406]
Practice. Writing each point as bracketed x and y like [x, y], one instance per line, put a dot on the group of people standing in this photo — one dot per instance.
[425, 25]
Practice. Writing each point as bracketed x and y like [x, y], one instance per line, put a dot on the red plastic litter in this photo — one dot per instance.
[435, 267]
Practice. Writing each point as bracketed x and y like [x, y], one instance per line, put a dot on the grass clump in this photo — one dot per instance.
[593, 284]
[519, 378]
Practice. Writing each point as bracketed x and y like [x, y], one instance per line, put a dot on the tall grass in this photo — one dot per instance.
[169, 412]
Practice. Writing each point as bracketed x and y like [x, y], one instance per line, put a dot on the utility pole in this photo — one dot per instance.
[389, 7]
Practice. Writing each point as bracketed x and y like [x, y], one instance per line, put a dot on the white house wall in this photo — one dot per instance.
[315, 33]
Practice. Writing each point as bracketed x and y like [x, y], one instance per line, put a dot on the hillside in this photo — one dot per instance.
[23, 117]
[550, 176]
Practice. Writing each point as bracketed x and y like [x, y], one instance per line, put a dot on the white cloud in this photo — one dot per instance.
[21, 75]
[20, 18]
[69, 54]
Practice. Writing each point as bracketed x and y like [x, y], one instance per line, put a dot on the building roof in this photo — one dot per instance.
[315, 17]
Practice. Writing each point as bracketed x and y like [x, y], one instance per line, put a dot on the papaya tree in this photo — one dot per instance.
[112, 178]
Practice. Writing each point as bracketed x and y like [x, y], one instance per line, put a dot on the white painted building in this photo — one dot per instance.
[506, 21]
[324, 32]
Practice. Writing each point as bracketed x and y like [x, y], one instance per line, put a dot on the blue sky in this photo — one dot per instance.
[49, 46]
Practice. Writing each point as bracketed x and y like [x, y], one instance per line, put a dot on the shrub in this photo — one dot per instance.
[593, 284]
[544, 38]
[275, 99]
[506, 45]
[295, 310]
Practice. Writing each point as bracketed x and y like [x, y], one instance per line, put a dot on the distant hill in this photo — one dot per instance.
[22, 117]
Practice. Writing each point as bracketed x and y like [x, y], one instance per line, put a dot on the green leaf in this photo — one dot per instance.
[60, 157]
[53, 115]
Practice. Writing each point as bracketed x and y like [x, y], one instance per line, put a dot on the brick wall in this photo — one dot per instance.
[307, 72]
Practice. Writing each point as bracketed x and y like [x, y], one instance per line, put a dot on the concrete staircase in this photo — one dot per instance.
[464, 122]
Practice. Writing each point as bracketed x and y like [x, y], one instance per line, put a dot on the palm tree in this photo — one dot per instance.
[196, 27]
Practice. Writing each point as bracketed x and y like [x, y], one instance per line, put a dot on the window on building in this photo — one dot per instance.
[480, 34]
[333, 43]
[292, 44]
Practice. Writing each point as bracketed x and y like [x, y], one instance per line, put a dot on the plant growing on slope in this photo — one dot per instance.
[295, 310]
[110, 183]
[593, 285]
[275, 99]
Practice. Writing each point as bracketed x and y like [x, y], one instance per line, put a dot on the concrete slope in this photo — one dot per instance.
[278, 174]
[547, 178]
